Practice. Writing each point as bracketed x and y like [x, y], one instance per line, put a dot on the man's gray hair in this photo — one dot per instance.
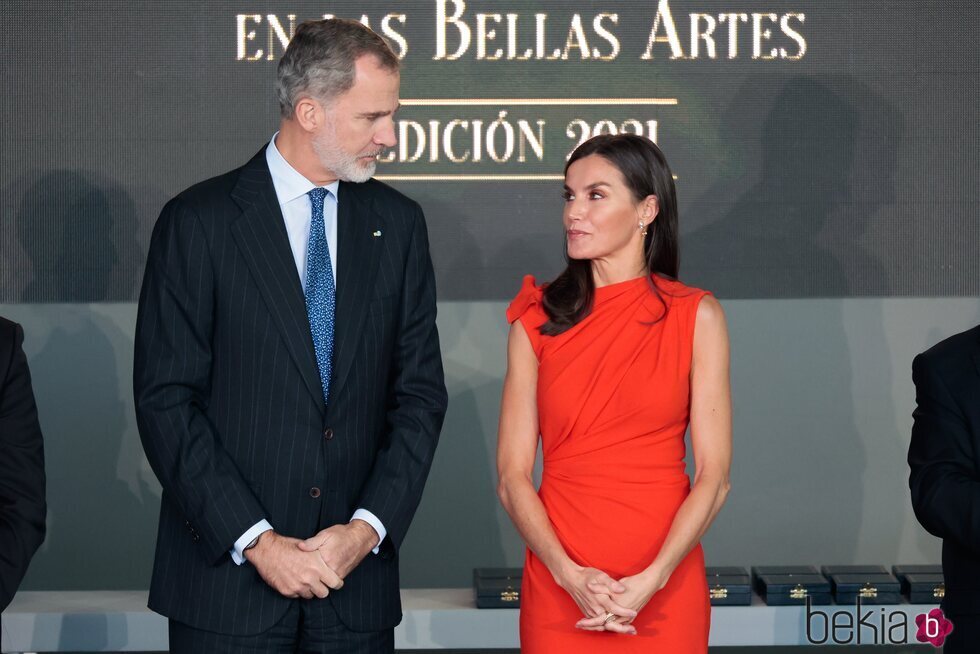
[320, 60]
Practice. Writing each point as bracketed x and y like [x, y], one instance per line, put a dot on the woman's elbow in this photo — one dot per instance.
[506, 486]
[724, 488]
[504, 491]
[718, 480]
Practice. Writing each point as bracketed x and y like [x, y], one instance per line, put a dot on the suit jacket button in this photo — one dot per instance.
[314, 492]
[328, 434]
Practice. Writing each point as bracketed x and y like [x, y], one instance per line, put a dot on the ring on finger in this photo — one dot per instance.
[609, 617]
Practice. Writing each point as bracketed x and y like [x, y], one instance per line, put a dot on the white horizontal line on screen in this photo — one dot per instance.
[468, 102]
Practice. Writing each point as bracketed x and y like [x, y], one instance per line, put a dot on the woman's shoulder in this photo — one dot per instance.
[676, 289]
[690, 307]
[528, 298]
[688, 303]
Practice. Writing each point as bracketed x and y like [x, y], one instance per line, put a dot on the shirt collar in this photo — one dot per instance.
[288, 182]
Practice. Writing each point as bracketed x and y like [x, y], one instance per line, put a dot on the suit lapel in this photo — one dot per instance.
[260, 234]
[358, 257]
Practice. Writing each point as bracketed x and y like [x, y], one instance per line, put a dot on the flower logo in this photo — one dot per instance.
[933, 627]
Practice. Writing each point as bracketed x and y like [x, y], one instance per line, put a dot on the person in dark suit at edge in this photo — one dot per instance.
[944, 458]
[288, 379]
[22, 495]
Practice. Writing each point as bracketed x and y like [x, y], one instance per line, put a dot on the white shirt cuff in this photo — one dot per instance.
[371, 519]
[238, 551]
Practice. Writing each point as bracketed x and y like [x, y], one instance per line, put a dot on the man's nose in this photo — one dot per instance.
[386, 135]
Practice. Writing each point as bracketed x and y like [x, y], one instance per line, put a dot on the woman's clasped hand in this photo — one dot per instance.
[608, 604]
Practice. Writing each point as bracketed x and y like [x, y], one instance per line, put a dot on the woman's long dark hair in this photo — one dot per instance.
[568, 299]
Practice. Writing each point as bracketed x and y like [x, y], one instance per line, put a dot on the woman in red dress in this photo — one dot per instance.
[609, 364]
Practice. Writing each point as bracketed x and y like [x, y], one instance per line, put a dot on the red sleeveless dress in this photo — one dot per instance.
[613, 402]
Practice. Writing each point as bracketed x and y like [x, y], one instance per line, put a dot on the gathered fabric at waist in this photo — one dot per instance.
[617, 461]
[626, 477]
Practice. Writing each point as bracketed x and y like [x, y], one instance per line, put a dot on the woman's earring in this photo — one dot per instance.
[643, 229]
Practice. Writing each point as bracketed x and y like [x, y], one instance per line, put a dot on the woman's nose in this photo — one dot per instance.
[575, 210]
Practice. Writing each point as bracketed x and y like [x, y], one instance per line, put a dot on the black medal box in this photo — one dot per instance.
[901, 573]
[794, 588]
[925, 588]
[729, 586]
[497, 588]
[872, 588]
[759, 570]
[830, 571]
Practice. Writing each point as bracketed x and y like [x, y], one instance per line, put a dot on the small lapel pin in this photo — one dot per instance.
[377, 232]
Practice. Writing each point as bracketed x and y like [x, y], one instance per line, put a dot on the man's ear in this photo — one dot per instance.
[309, 114]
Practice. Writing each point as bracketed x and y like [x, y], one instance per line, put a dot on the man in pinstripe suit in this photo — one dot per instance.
[288, 379]
[22, 494]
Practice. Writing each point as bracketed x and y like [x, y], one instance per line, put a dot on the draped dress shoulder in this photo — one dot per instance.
[613, 398]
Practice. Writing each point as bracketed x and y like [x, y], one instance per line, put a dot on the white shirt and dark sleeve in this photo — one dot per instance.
[292, 189]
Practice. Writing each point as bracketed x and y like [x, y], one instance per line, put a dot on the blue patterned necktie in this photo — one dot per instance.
[321, 294]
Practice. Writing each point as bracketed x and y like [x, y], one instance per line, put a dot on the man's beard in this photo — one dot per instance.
[344, 165]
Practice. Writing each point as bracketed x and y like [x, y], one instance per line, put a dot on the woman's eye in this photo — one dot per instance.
[595, 195]
[566, 197]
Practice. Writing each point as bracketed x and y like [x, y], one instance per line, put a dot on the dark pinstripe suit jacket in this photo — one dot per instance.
[229, 402]
[22, 495]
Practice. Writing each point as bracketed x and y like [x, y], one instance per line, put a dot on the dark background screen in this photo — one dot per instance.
[821, 148]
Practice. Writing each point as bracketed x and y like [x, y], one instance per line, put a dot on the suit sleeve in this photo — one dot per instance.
[171, 381]
[22, 495]
[417, 403]
[943, 480]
